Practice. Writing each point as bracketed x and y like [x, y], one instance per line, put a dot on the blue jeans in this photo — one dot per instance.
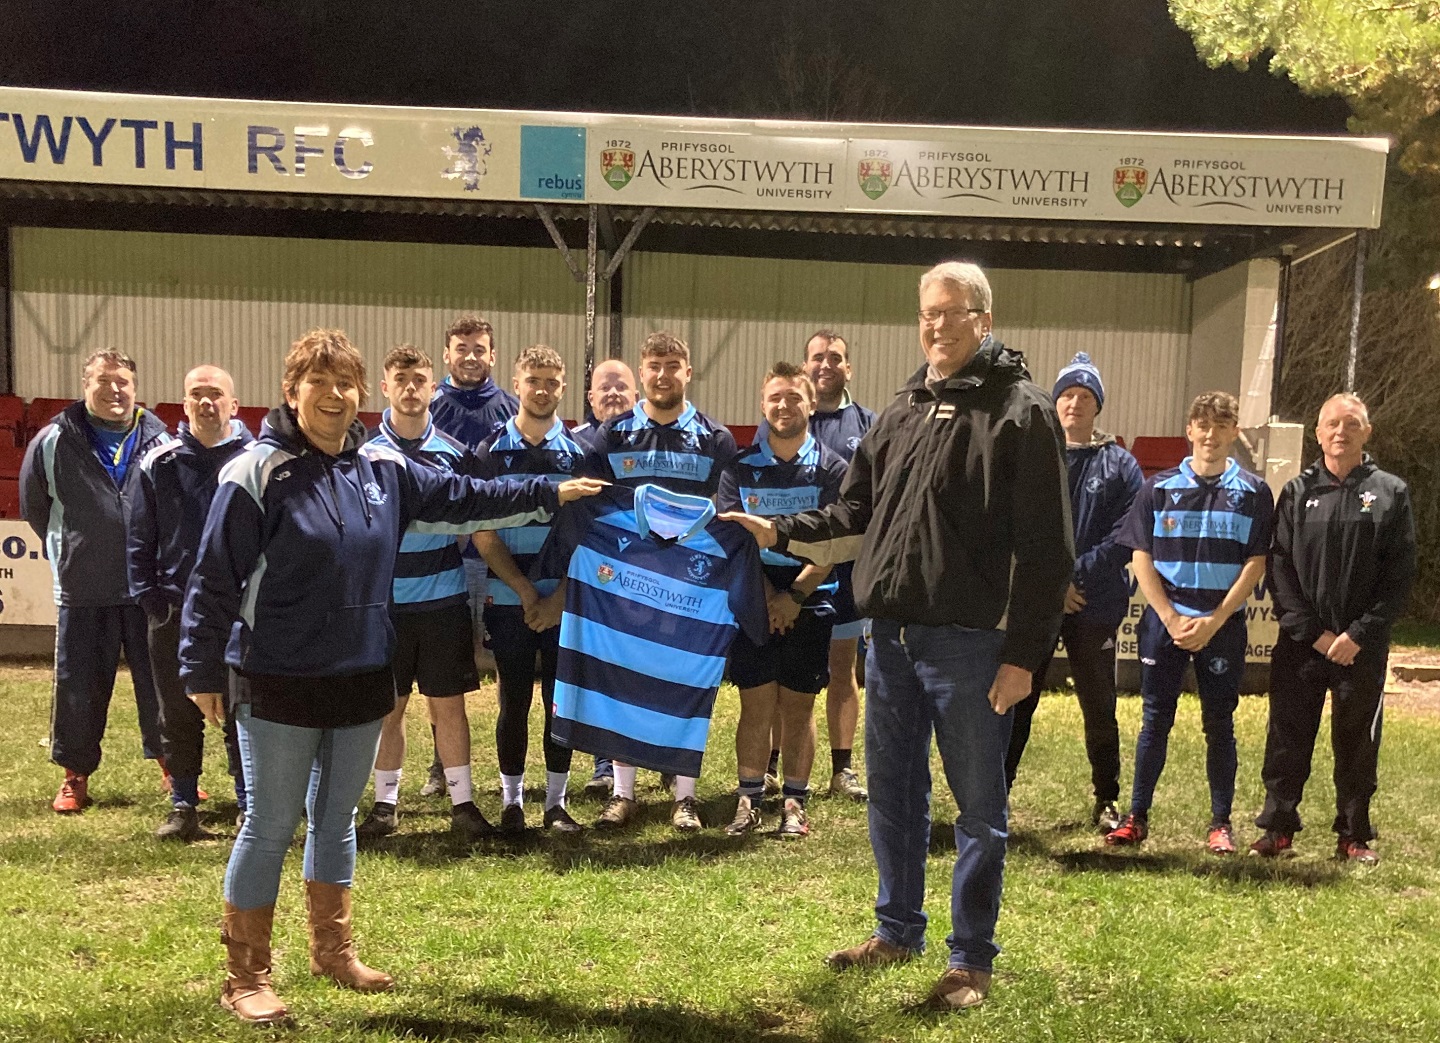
[320, 771]
[924, 679]
[1219, 667]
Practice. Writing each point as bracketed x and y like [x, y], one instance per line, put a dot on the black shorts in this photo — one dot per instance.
[435, 650]
[798, 659]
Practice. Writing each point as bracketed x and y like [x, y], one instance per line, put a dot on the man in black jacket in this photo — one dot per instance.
[955, 511]
[79, 472]
[1341, 567]
[165, 522]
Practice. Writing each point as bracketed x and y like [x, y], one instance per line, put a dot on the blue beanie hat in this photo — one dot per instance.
[1080, 373]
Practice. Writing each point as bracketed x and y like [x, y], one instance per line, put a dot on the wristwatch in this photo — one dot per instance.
[797, 596]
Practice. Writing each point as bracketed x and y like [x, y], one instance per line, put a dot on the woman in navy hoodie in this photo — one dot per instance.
[288, 610]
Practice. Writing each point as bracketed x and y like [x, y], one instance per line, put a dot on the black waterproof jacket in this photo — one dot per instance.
[1342, 557]
[955, 508]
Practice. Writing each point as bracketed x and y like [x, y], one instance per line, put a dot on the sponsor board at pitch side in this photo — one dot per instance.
[1140, 178]
[27, 586]
[647, 167]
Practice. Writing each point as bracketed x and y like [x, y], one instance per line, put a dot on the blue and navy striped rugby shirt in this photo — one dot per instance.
[684, 456]
[657, 587]
[1200, 531]
[507, 454]
[428, 571]
[759, 482]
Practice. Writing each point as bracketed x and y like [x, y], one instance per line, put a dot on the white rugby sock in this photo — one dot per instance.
[555, 785]
[387, 786]
[684, 787]
[512, 789]
[458, 781]
[625, 780]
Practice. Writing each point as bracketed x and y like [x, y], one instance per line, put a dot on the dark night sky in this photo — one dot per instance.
[1120, 63]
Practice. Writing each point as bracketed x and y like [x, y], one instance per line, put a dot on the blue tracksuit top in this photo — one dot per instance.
[1104, 479]
[166, 518]
[298, 554]
[471, 415]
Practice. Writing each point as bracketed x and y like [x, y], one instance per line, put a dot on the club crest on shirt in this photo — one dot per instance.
[1219, 665]
[374, 494]
[699, 568]
[564, 462]
[1093, 484]
[628, 464]
[1169, 523]
[1235, 497]
[690, 441]
[1367, 501]
[752, 501]
[853, 442]
[605, 573]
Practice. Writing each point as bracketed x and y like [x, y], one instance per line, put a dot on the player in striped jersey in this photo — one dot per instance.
[663, 441]
[787, 471]
[533, 443]
[1200, 533]
[434, 643]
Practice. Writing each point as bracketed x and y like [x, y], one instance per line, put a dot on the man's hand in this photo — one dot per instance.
[212, 705]
[547, 613]
[1012, 684]
[1343, 650]
[763, 529]
[783, 612]
[1177, 626]
[1074, 600]
[1323, 642]
[575, 488]
[1202, 629]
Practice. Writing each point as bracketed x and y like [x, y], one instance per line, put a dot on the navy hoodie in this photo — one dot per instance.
[167, 514]
[298, 557]
[73, 503]
[471, 415]
[1103, 479]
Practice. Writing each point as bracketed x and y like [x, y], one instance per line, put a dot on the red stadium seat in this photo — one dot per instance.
[370, 420]
[10, 457]
[1154, 453]
[12, 420]
[9, 498]
[744, 434]
[251, 416]
[40, 412]
[173, 413]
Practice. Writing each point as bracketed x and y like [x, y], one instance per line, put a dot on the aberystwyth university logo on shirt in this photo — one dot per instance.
[605, 573]
[874, 175]
[1130, 184]
[628, 464]
[617, 167]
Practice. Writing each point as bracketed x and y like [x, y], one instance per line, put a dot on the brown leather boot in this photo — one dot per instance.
[247, 992]
[332, 951]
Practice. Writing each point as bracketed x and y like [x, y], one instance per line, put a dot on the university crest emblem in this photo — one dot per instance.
[1130, 184]
[605, 573]
[628, 464]
[617, 167]
[875, 176]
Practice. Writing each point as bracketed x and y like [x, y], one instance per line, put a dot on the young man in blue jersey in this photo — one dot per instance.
[434, 641]
[786, 471]
[533, 442]
[663, 441]
[469, 407]
[79, 473]
[839, 422]
[1199, 533]
[1104, 479]
[163, 528]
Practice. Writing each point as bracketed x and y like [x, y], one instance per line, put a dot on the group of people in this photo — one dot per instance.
[292, 586]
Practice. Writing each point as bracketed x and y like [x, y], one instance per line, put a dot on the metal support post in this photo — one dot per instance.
[1360, 238]
[1282, 313]
[590, 273]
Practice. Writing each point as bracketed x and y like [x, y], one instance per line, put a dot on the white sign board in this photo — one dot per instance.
[513, 156]
[27, 586]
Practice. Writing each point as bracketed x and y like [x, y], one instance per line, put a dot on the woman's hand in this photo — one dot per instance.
[212, 705]
[575, 488]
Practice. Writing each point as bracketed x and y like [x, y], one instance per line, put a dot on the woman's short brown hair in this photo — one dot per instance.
[327, 350]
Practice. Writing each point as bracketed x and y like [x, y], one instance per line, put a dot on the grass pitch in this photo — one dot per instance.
[655, 937]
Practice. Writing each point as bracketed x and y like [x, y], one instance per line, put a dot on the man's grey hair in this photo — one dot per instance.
[963, 276]
[1350, 398]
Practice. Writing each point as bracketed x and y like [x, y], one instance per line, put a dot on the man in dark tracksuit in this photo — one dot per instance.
[955, 512]
[1341, 567]
[165, 522]
[79, 471]
[1104, 479]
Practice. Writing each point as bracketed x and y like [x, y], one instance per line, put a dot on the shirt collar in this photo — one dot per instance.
[648, 496]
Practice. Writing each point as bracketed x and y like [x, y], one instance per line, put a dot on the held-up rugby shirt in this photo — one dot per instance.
[685, 456]
[657, 589]
[759, 482]
[507, 454]
[1200, 531]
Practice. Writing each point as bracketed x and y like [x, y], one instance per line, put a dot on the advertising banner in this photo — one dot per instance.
[27, 587]
[513, 156]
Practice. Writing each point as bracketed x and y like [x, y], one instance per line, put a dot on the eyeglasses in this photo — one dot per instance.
[932, 316]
